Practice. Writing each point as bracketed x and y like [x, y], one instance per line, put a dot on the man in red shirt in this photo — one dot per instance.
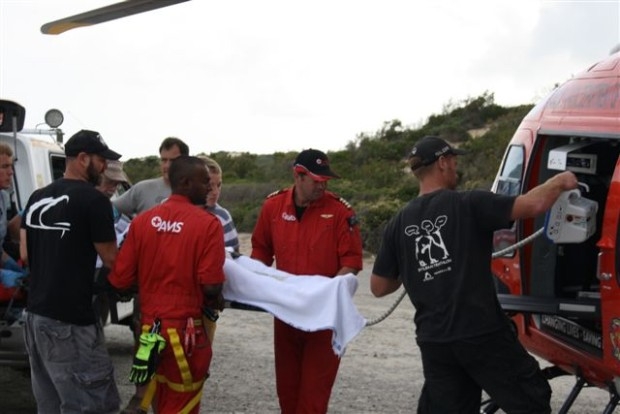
[308, 231]
[175, 254]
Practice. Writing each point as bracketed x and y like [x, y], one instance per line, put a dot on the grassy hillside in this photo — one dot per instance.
[375, 180]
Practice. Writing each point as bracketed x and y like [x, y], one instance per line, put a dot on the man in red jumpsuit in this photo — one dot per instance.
[175, 254]
[308, 231]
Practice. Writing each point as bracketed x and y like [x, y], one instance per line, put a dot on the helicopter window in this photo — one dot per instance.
[509, 182]
[58, 166]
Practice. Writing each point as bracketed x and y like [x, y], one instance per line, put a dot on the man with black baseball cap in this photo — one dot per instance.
[308, 231]
[429, 149]
[88, 146]
[434, 154]
[314, 163]
[65, 225]
[89, 142]
[439, 248]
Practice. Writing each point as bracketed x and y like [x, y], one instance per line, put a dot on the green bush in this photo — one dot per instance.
[373, 219]
[375, 177]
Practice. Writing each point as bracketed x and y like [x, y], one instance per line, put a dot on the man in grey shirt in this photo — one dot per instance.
[148, 193]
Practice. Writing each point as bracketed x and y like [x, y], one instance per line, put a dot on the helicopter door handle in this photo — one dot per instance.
[605, 276]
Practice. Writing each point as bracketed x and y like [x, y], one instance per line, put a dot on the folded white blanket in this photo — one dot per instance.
[309, 303]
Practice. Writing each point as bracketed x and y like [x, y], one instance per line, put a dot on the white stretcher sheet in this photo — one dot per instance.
[309, 303]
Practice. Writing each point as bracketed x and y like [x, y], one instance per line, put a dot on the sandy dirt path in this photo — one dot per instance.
[380, 372]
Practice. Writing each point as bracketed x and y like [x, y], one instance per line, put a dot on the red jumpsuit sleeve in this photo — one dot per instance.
[125, 272]
[350, 242]
[210, 266]
[262, 239]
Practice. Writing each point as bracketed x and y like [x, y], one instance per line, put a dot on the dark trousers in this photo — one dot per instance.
[456, 372]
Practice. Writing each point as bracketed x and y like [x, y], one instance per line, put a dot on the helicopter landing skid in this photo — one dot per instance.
[614, 399]
[581, 383]
[490, 407]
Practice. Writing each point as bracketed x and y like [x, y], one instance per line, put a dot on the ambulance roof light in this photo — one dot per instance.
[54, 118]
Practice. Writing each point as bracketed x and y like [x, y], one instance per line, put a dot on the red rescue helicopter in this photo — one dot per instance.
[563, 289]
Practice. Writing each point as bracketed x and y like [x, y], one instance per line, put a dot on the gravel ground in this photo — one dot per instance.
[380, 372]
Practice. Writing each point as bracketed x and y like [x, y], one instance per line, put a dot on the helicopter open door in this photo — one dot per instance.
[565, 296]
[567, 272]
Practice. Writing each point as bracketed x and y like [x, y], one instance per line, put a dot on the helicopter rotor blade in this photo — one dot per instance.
[104, 14]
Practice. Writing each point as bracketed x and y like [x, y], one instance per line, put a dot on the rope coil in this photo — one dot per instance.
[499, 253]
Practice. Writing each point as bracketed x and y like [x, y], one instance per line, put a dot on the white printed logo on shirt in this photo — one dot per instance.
[36, 217]
[166, 226]
[288, 217]
[430, 249]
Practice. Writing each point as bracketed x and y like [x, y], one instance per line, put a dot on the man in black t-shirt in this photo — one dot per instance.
[439, 247]
[65, 225]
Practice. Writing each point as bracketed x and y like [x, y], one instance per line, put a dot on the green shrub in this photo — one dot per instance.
[375, 178]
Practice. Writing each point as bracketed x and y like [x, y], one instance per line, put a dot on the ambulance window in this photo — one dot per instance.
[509, 182]
[58, 166]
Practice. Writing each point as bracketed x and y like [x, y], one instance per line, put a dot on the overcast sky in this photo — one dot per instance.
[265, 75]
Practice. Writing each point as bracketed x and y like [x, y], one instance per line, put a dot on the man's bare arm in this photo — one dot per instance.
[23, 250]
[107, 251]
[382, 286]
[213, 298]
[540, 198]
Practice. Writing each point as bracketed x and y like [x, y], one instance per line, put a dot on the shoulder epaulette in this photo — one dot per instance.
[342, 201]
[275, 193]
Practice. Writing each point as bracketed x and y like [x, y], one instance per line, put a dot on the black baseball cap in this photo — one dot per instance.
[430, 148]
[89, 142]
[315, 163]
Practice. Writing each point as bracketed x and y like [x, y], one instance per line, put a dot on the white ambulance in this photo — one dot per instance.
[39, 159]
